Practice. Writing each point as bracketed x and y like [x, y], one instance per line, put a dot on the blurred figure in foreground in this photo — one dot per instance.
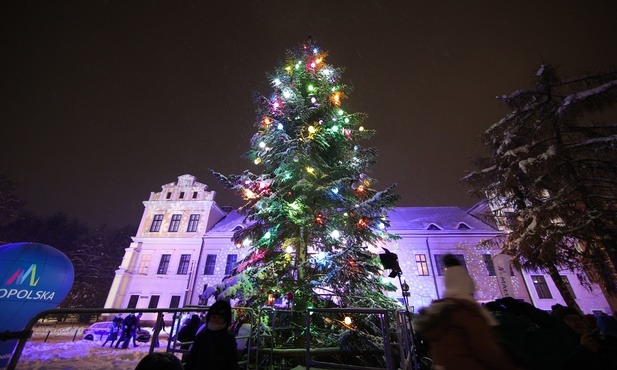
[159, 361]
[459, 331]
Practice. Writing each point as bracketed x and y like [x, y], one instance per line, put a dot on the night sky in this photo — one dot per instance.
[105, 101]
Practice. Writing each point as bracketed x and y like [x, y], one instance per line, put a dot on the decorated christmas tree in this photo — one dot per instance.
[316, 219]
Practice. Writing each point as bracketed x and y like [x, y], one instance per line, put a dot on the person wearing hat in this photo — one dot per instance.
[588, 348]
[458, 330]
[214, 347]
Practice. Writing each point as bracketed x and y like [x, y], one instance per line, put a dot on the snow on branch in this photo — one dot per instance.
[584, 95]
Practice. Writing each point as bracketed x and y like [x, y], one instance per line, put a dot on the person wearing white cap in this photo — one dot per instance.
[458, 330]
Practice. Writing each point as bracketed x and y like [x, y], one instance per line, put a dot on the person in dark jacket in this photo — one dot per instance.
[187, 333]
[128, 326]
[214, 347]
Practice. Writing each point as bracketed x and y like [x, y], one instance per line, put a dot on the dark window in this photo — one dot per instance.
[164, 264]
[168, 195]
[154, 301]
[433, 227]
[541, 287]
[175, 301]
[422, 265]
[156, 223]
[193, 222]
[463, 226]
[210, 263]
[231, 263]
[194, 195]
[439, 262]
[183, 267]
[133, 301]
[181, 195]
[488, 262]
[202, 297]
[567, 282]
[175, 223]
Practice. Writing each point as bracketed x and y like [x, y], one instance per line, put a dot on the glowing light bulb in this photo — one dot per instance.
[276, 82]
[340, 112]
[313, 100]
[246, 242]
[262, 144]
[267, 235]
[346, 120]
[311, 129]
[310, 87]
[335, 234]
[286, 94]
[313, 65]
[381, 226]
[335, 190]
[347, 320]
[279, 126]
[289, 249]
[334, 128]
[361, 128]
[257, 160]
[275, 105]
[310, 170]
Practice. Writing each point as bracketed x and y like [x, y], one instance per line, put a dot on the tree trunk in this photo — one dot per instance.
[563, 288]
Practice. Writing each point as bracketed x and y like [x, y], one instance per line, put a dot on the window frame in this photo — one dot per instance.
[210, 264]
[422, 264]
[157, 221]
[174, 223]
[183, 266]
[163, 264]
[193, 223]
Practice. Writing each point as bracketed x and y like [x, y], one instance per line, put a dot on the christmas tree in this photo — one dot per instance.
[313, 211]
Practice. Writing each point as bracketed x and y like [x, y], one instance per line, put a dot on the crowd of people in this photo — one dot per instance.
[123, 330]
[510, 334]
[457, 333]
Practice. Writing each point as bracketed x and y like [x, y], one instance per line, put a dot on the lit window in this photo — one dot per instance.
[422, 265]
[143, 264]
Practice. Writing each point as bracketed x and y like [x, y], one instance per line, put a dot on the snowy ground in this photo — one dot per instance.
[61, 353]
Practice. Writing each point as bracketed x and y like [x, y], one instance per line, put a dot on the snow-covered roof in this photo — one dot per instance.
[442, 218]
[401, 218]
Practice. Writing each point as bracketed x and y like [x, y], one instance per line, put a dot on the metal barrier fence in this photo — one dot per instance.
[260, 343]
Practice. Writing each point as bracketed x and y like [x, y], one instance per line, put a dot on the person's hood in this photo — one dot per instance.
[458, 283]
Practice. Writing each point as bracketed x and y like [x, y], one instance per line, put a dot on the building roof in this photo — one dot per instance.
[401, 218]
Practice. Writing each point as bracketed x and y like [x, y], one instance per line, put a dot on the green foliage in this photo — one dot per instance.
[552, 173]
[314, 211]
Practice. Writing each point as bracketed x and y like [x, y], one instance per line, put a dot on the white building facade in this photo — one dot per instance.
[183, 249]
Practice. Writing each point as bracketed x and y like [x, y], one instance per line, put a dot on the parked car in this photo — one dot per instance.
[100, 330]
